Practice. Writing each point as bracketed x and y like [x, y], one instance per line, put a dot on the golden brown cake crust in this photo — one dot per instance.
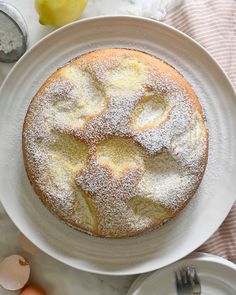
[115, 142]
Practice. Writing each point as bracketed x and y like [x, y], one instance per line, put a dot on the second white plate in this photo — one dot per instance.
[217, 276]
[205, 212]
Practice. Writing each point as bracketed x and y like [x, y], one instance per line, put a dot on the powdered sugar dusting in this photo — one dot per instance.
[169, 148]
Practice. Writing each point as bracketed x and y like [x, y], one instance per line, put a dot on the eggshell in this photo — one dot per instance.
[32, 290]
[14, 272]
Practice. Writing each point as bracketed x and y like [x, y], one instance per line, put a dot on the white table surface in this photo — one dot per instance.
[55, 277]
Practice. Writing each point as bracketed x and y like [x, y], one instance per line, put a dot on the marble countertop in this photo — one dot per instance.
[53, 275]
[47, 272]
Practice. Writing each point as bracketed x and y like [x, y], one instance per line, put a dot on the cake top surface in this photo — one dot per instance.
[115, 142]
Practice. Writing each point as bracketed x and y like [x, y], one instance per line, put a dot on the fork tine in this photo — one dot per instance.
[178, 283]
[195, 279]
[190, 272]
[178, 280]
[185, 276]
[188, 276]
[193, 274]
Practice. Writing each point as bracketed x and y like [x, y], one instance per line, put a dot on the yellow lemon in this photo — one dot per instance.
[59, 12]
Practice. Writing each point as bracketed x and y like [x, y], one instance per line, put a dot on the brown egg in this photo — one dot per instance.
[32, 290]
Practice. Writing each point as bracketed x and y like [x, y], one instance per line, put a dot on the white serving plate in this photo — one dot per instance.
[217, 276]
[193, 225]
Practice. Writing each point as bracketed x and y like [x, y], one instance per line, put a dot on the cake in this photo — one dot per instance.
[115, 143]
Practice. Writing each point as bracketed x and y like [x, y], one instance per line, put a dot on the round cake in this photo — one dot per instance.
[115, 143]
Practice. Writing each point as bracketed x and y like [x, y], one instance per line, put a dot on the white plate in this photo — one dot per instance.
[217, 276]
[205, 212]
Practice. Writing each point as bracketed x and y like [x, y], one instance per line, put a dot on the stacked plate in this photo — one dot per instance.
[217, 275]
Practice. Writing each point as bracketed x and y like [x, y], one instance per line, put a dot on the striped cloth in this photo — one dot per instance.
[213, 24]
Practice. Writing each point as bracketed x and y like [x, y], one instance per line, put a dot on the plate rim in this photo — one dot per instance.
[94, 19]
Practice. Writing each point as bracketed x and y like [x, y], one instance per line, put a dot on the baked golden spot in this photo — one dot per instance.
[67, 156]
[150, 112]
[192, 137]
[86, 99]
[145, 207]
[84, 210]
[120, 155]
[127, 78]
[198, 129]
[162, 174]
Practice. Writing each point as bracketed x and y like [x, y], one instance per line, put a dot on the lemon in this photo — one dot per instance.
[59, 12]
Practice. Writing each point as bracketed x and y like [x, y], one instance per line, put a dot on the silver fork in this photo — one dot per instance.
[195, 280]
[187, 281]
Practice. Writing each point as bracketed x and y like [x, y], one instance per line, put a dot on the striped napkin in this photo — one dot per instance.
[213, 24]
